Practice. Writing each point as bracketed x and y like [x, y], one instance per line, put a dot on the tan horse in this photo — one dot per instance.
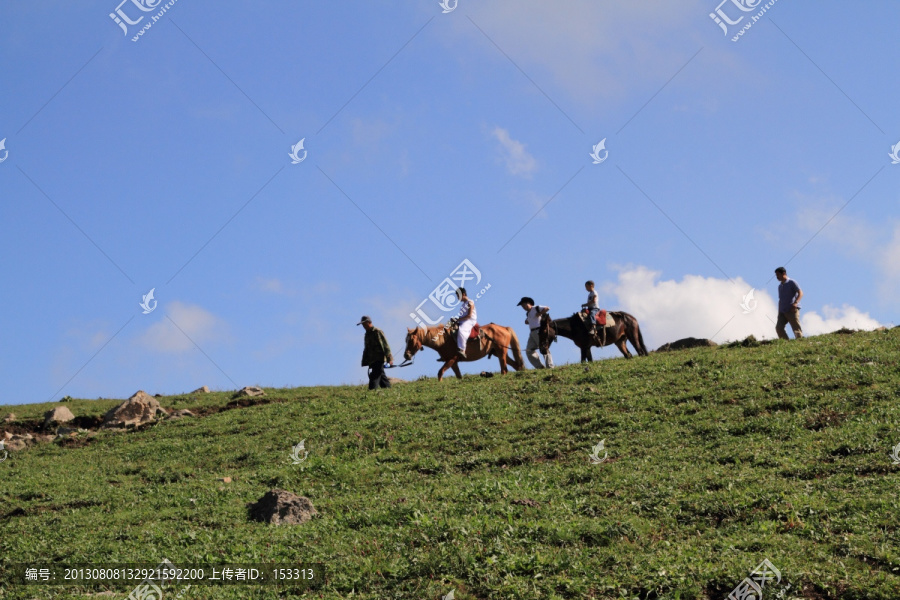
[496, 340]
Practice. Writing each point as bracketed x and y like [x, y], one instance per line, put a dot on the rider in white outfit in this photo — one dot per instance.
[467, 320]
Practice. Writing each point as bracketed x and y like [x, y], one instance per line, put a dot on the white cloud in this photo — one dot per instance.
[391, 314]
[889, 262]
[518, 160]
[594, 50]
[272, 285]
[852, 233]
[707, 307]
[836, 318]
[90, 336]
[192, 322]
[875, 244]
[370, 134]
[326, 287]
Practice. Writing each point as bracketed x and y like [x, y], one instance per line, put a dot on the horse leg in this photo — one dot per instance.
[620, 344]
[502, 359]
[586, 353]
[450, 363]
[455, 367]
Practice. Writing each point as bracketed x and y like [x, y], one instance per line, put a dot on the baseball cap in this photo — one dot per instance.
[364, 319]
[525, 300]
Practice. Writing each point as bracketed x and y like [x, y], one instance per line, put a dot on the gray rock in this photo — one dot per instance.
[14, 445]
[9, 418]
[687, 343]
[60, 414]
[183, 412]
[137, 410]
[201, 390]
[250, 391]
[17, 442]
[280, 507]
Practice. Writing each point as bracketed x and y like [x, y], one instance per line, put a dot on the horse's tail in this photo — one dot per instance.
[643, 349]
[517, 351]
[633, 331]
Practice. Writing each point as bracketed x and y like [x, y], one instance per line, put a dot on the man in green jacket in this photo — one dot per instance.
[376, 352]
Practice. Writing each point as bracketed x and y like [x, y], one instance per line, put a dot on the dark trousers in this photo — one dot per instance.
[377, 376]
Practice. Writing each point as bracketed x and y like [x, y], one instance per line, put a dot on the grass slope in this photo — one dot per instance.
[718, 458]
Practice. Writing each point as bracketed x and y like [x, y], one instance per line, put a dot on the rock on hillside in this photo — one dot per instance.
[685, 343]
[60, 414]
[137, 410]
[249, 391]
[280, 507]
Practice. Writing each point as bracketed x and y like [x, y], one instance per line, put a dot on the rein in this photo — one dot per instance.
[405, 363]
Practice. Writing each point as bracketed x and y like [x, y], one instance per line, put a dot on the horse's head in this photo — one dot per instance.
[413, 343]
[546, 333]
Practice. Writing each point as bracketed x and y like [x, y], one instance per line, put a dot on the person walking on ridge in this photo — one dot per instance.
[376, 352]
[533, 320]
[789, 294]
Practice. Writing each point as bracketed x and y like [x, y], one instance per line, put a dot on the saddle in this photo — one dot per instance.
[453, 328]
[600, 319]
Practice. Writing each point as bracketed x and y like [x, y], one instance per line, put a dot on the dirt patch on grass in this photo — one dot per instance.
[825, 418]
[239, 403]
[75, 442]
[36, 510]
[94, 423]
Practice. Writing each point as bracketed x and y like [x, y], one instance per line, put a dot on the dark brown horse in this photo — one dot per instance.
[625, 329]
[495, 341]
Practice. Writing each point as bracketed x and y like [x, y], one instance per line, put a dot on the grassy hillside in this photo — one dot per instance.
[718, 458]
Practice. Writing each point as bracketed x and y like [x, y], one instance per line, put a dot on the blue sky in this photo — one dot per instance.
[431, 138]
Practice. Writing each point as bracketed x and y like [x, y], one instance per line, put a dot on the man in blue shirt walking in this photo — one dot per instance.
[789, 294]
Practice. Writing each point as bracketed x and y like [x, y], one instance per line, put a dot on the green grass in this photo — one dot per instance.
[718, 458]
